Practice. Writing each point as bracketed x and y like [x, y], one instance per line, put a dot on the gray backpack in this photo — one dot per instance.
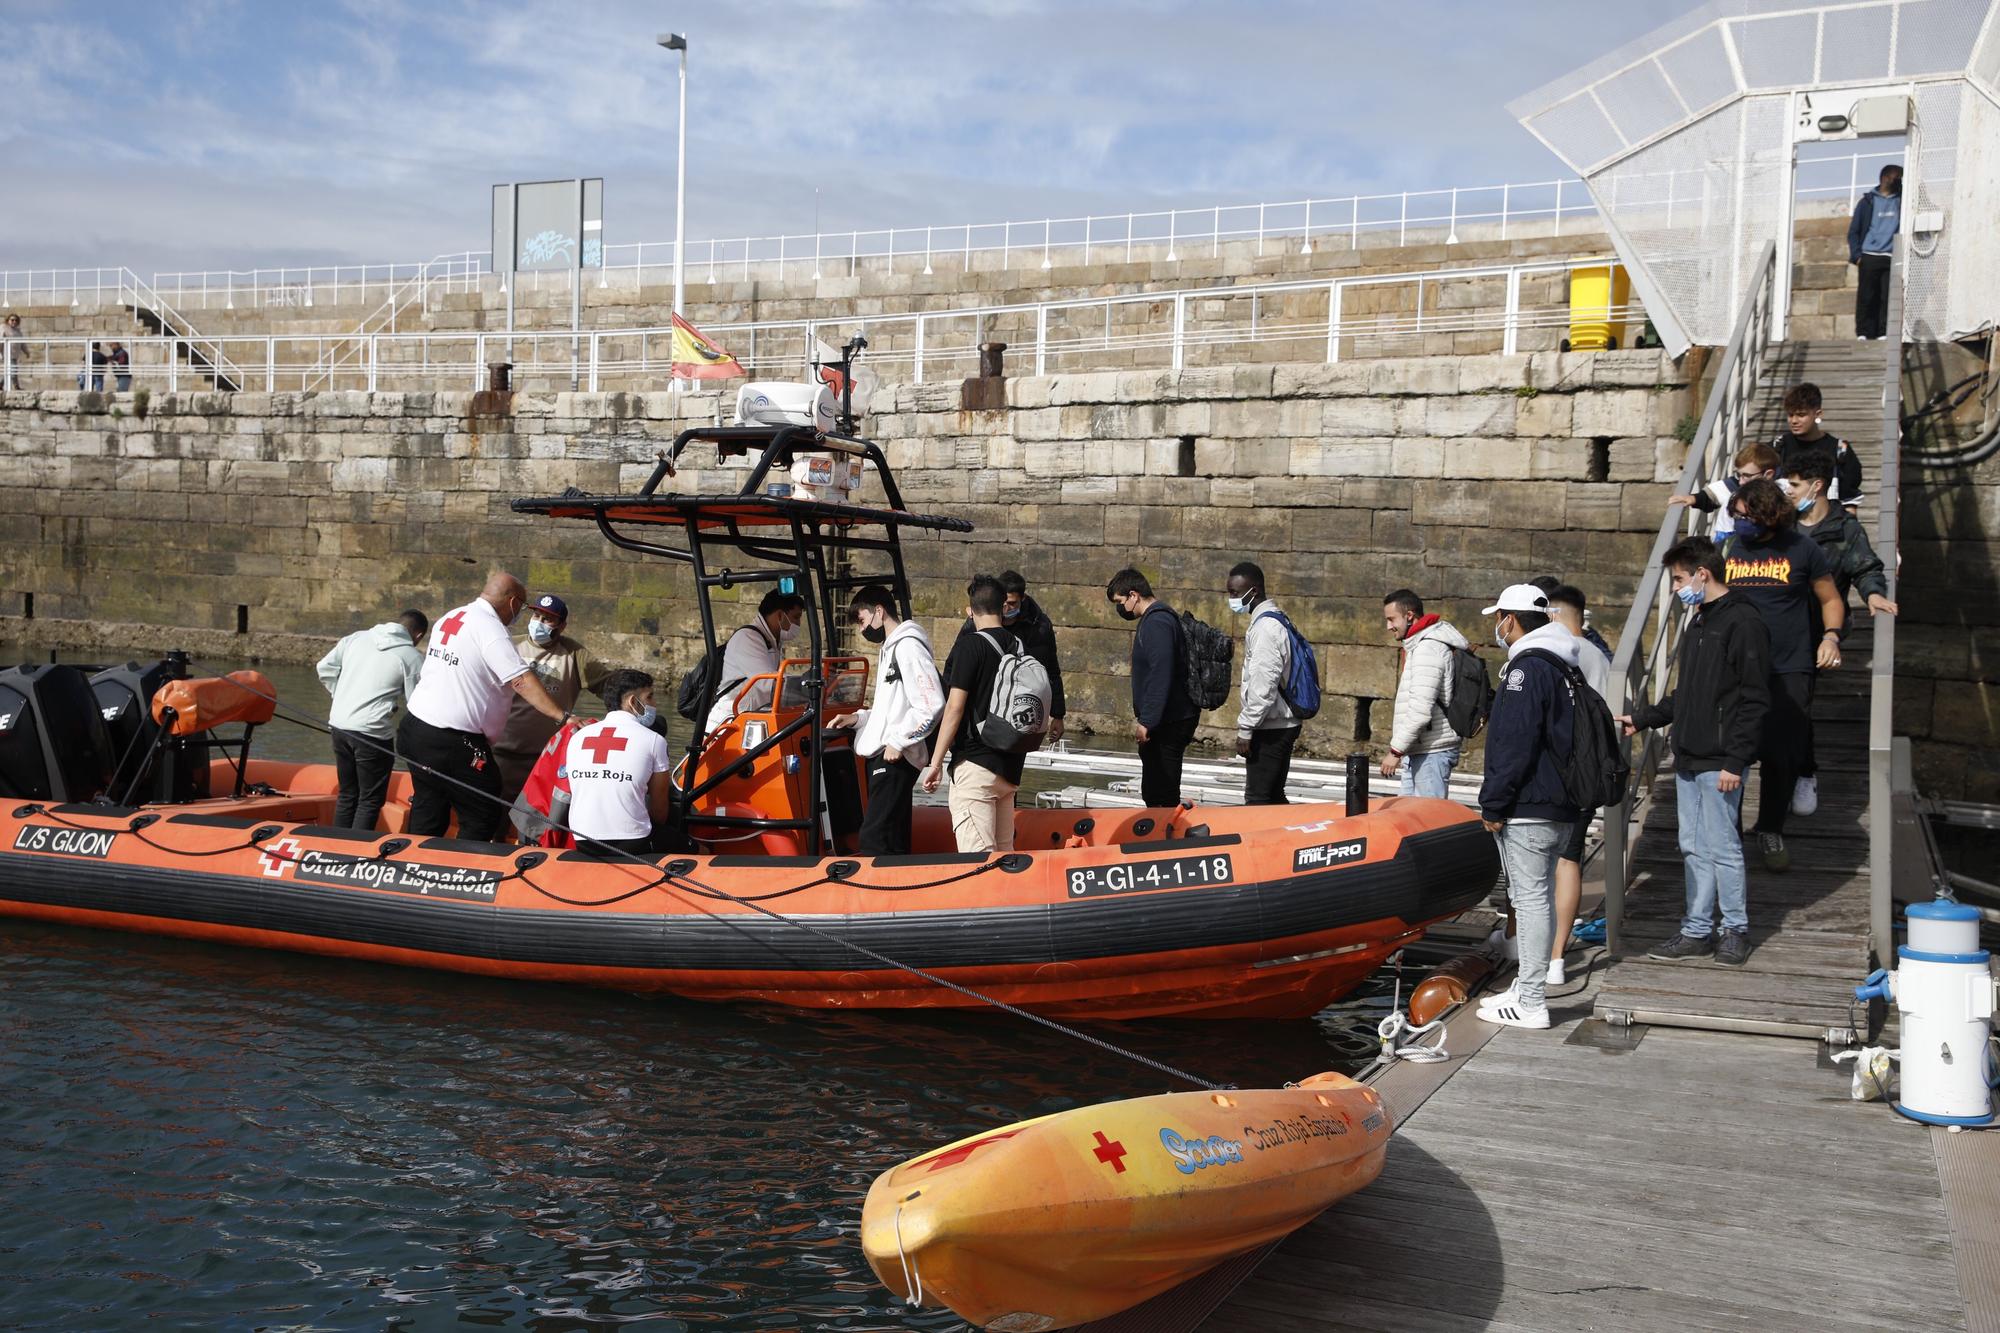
[1017, 711]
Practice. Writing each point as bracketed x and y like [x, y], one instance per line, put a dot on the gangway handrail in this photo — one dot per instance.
[1882, 670]
[1640, 670]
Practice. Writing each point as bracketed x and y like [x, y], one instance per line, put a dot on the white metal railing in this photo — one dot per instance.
[1185, 233]
[1500, 309]
[1643, 669]
[1882, 668]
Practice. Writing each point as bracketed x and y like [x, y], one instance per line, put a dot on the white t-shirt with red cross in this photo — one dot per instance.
[609, 766]
[467, 669]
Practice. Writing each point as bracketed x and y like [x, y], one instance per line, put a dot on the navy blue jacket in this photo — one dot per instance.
[1159, 672]
[1530, 726]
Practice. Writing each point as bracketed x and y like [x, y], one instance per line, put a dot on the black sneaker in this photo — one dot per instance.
[1733, 948]
[1683, 946]
[1772, 847]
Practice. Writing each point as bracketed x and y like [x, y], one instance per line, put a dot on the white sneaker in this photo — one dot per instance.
[1501, 945]
[1514, 1016]
[1805, 796]
[1557, 976]
[1501, 998]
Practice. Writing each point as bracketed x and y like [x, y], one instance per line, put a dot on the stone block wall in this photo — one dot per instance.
[303, 517]
[1948, 632]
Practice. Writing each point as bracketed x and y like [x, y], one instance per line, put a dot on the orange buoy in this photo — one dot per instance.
[240, 696]
[1054, 1222]
[1448, 984]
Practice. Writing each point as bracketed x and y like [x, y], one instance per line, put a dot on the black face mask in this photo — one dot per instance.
[1894, 187]
[875, 633]
[1123, 614]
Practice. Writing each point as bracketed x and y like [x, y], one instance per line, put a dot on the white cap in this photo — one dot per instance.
[1520, 597]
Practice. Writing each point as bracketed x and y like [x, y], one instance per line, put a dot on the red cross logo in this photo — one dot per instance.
[953, 1156]
[449, 626]
[1110, 1150]
[603, 743]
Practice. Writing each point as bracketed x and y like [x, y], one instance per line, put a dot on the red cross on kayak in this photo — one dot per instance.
[449, 626]
[602, 743]
[1110, 1150]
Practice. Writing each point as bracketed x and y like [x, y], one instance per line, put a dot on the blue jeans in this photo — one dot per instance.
[1712, 850]
[1428, 774]
[1529, 849]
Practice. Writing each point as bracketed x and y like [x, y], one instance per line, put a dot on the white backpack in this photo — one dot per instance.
[1017, 711]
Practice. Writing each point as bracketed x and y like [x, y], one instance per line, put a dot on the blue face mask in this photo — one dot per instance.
[1690, 595]
[1805, 504]
[1751, 532]
[649, 716]
[1009, 612]
[1238, 605]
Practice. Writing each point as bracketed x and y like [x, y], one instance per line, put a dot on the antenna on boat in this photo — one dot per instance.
[840, 375]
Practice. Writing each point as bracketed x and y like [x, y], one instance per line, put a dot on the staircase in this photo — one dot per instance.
[204, 356]
[1813, 928]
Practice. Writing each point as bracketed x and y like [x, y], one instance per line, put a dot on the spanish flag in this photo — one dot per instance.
[697, 358]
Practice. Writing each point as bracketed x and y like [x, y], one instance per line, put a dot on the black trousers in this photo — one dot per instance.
[459, 755]
[364, 765]
[1787, 732]
[1270, 763]
[1160, 762]
[885, 825]
[1871, 297]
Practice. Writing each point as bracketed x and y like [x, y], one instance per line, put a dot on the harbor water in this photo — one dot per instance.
[204, 1137]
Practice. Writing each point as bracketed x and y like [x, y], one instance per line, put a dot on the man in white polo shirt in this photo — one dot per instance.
[618, 769]
[459, 706]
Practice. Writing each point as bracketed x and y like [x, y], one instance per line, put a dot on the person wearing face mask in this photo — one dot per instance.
[1267, 730]
[1024, 618]
[565, 668]
[1804, 438]
[1522, 800]
[1423, 747]
[618, 770]
[756, 649]
[893, 737]
[1753, 462]
[1871, 238]
[1720, 697]
[1781, 572]
[1855, 566]
[1161, 704]
[470, 672]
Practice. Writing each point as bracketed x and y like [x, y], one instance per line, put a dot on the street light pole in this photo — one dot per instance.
[675, 41]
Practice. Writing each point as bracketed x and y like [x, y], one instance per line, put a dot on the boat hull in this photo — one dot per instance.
[1236, 928]
[1054, 1222]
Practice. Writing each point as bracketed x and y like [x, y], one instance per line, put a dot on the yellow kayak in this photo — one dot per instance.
[1057, 1221]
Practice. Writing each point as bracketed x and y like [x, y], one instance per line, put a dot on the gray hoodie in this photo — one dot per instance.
[370, 674]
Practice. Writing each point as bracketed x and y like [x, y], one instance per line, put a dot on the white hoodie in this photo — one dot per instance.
[370, 674]
[1556, 639]
[909, 699]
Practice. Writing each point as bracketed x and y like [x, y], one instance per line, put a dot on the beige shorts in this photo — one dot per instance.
[982, 810]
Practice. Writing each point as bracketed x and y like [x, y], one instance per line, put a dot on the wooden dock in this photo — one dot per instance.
[1698, 1180]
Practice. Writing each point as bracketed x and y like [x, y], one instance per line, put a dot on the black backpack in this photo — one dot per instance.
[1469, 701]
[1595, 771]
[1206, 655]
[694, 685]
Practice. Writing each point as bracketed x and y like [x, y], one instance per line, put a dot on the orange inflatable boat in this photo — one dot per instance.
[123, 805]
[1055, 1222]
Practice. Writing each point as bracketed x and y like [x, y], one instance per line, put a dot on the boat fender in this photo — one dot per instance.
[1449, 985]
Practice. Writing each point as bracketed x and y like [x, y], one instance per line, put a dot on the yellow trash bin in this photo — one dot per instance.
[1598, 298]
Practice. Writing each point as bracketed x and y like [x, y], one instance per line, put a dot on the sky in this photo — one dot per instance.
[208, 134]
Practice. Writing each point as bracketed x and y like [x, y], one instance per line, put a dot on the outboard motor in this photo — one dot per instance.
[53, 743]
[147, 770]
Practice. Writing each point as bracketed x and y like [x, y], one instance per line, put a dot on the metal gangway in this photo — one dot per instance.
[1817, 929]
